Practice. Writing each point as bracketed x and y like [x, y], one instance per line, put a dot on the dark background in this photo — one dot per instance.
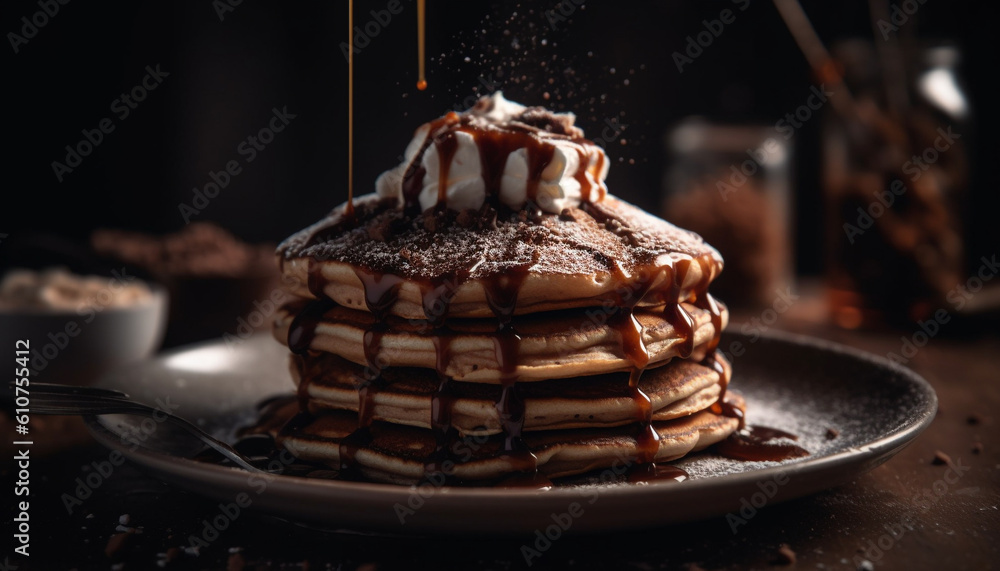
[226, 76]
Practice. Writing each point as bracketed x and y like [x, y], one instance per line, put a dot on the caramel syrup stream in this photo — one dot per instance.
[349, 211]
[421, 18]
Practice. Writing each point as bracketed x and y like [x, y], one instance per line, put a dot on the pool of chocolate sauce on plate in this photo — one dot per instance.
[381, 287]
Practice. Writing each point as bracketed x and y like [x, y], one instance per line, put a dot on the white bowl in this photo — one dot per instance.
[75, 347]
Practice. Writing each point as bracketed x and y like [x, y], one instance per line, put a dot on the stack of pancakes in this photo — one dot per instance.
[555, 344]
[492, 342]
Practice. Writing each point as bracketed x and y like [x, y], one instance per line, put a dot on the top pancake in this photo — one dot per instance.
[606, 251]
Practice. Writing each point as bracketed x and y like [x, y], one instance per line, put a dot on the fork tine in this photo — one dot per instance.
[85, 408]
[77, 400]
[72, 398]
[56, 389]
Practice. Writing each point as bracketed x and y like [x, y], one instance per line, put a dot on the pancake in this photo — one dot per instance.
[398, 454]
[582, 257]
[554, 345]
[405, 395]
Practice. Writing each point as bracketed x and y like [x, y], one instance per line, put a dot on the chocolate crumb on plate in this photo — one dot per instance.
[940, 458]
[832, 433]
[785, 555]
[116, 543]
[974, 419]
[977, 448]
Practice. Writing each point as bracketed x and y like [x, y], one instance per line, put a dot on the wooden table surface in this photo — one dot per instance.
[909, 513]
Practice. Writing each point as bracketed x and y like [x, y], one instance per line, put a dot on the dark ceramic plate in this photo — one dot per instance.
[802, 385]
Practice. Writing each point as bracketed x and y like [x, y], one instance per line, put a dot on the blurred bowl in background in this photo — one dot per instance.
[76, 346]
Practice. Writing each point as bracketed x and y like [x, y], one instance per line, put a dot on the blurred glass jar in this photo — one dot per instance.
[894, 176]
[730, 184]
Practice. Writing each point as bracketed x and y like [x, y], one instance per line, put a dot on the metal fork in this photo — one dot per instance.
[52, 399]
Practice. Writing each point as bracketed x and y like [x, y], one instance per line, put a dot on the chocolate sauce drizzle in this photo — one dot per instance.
[381, 293]
[630, 331]
[301, 333]
[501, 296]
[495, 144]
[442, 403]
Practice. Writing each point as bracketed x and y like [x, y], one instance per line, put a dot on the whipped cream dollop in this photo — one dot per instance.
[498, 150]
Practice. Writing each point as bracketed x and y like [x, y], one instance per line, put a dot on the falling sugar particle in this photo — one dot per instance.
[612, 70]
[625, 82]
